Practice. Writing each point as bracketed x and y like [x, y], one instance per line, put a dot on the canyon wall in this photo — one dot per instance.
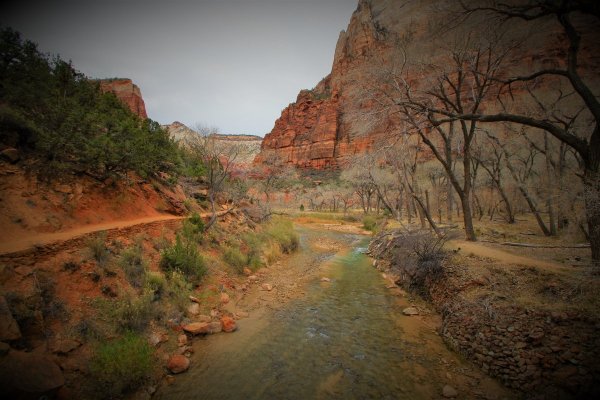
[343, 115]
[128, 92]
[322, 128]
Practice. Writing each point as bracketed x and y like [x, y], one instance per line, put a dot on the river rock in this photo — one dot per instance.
[196, 328]
[178, 364]
[267, 286]
[410, 311]
[228, 324]
[449, 392]
[224, 298]
[204, 318]
[241, 314]
[215, 327]
[9, 329]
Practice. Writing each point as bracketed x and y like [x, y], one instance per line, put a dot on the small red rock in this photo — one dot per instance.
[228, 324]
[178, 364]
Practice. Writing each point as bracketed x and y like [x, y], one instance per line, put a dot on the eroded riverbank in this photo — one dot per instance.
[342, 338]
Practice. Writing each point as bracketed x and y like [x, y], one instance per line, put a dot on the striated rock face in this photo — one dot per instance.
[306, 134]
[314, 132]
[343, 115]
[127, 92]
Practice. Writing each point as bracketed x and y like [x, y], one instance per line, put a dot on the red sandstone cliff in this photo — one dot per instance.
[314, 132]
[326, 126]
[127, 92]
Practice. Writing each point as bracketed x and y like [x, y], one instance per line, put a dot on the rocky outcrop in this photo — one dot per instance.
[128, 92]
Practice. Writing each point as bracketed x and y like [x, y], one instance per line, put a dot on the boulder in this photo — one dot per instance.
[10, 154]
[449, 392]
[197, 328]
[63, 346]
[253, 278]
[182, 340]
[9, 329]
[178, 363]
[247, 271]
[410, 311]
[228, 324]
[28, 375]
[267, 286]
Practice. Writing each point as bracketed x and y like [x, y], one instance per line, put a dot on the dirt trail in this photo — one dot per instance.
[481, 250]
[40, 239]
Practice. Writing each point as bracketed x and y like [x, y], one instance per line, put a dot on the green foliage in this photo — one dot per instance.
[122, 365]
[301, 207]
[98, 248]
[134, 265]
[177, 290]
[54, 110]
[234, 257]
[369, 222]
[183, 257]
[155, 283]
[282, 231]
[127, 313]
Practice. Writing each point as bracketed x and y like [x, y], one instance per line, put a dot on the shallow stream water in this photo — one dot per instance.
[343, 339]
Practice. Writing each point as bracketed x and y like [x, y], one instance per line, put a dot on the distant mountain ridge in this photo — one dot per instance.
[187, 137]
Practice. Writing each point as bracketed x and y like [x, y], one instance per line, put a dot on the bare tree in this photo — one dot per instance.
[581, 78]
[218, 157]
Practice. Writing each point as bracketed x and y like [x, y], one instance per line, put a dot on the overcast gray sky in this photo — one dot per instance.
[234, 64]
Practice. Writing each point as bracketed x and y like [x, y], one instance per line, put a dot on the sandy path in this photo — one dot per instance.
[481, 250]
[38, 239]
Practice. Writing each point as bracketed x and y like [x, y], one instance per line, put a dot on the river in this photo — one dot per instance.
[342, 339]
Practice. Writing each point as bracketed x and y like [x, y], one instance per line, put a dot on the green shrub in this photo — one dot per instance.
[301, 207]
[122, 365]
[98, 248]
[131, 312]
[369, 222]
[193, 228]
[282, 231]
[177, 290]
[155, 283]
[134, 265]
[255, 245]
[234, 257]
[184, 258]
